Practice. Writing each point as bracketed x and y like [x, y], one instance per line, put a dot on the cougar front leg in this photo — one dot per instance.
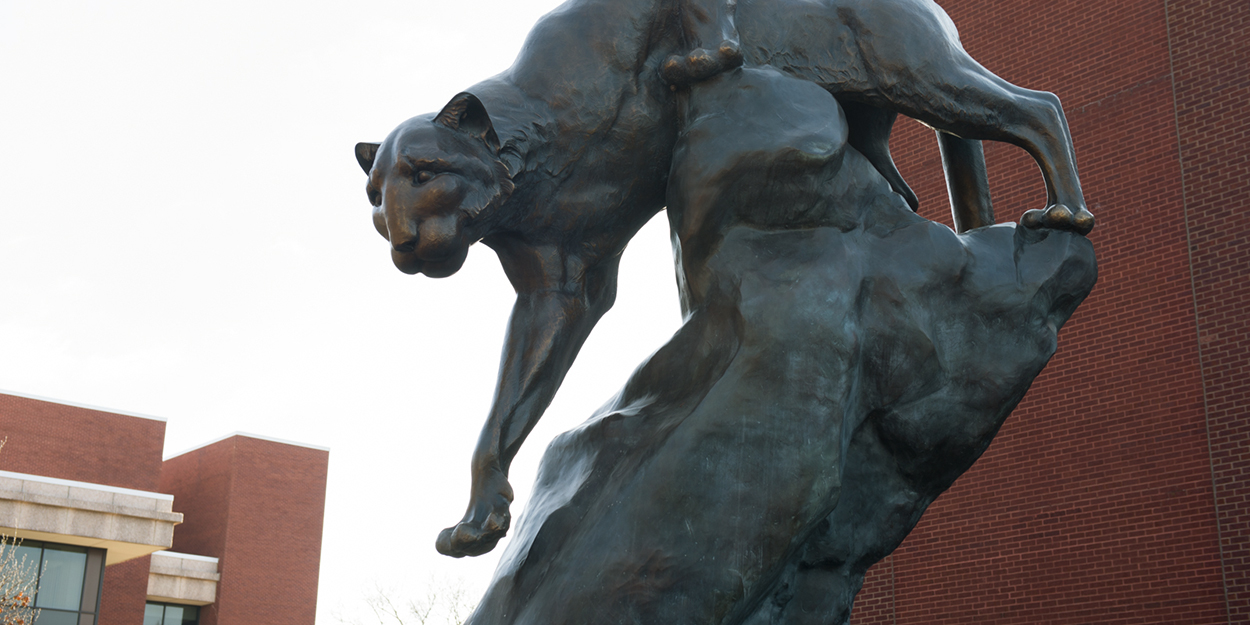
[553, 315]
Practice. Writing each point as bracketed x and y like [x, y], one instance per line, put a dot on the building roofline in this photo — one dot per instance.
[185, 556]
[63, 402]
[248, 435]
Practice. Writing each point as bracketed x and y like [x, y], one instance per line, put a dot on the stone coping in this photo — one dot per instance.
[127, 523]
[184, 565]
[186, 556]
[51, 491]
[182, 578]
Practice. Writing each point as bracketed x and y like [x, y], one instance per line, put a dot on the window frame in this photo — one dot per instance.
[92, 578]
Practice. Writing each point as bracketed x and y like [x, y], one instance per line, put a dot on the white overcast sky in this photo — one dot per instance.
[184, 233]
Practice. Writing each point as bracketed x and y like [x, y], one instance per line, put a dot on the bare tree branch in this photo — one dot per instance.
[444, 603]
[18, 581]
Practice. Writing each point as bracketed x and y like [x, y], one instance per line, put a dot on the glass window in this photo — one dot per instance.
[190, 616]
[28, 554]
[153, 614]
[61, 585]
[170, 614]
[61, 574]
[173, 615]
[26, 560]
[56, 617]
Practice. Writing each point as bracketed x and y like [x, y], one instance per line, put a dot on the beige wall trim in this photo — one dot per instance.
[128, 523]
[183, 578]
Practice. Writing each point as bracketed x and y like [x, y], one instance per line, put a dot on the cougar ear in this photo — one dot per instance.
[365, 153]
[466, 114]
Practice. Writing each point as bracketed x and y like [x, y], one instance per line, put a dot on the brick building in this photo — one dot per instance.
[1117, 491]
[96, 508]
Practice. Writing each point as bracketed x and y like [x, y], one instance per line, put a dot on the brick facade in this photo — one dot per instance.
[1116, 492]
[83, 444]
[88, 445]
[125, 592]
[255, 504]
[1210, 58]
[258, 507]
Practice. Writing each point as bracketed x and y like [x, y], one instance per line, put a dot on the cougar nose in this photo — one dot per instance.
[402, 233]
[405, 246]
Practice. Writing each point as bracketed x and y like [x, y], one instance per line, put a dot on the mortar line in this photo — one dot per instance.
[1193, 291]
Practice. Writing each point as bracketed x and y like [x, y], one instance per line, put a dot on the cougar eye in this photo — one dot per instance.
[375, 198]
[424, 176]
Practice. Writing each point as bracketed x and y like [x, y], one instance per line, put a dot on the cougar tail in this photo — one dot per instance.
[870, 135]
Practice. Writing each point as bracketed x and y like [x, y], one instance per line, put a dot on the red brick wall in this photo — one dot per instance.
[72, 443]
[200, 481]
[1210, 53]
[1095, 503]
[258, 506]
[125, 592]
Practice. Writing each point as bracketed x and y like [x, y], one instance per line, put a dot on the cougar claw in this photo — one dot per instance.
[468, 539]
[1059, 217]
[486, 521]
[701, 64]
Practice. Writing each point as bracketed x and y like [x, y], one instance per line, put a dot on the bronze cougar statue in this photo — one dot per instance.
[558, 161]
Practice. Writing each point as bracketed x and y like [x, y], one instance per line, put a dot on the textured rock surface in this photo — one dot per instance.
[842, 362]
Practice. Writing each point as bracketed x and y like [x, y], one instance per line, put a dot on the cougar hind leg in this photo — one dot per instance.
[979, 105]
[967, 183]
[931, 78]
[870, 135]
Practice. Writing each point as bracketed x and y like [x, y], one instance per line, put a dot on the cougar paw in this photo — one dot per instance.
[730, 55]
[486, 521]
[701, 64]
[473, 537]
[1059, 217]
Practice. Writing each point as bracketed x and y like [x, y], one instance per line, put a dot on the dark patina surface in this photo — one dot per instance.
[842, 360]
